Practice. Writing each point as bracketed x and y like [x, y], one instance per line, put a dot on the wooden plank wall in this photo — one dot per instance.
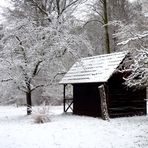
[125, 101]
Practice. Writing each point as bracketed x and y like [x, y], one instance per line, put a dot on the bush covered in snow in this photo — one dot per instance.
[41, 115]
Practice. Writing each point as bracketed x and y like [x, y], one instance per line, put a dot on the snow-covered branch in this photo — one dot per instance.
[135, 37]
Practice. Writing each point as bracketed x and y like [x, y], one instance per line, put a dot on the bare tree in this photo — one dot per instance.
[103, 13]
[100, 9]
[134, 36]
[30, 45]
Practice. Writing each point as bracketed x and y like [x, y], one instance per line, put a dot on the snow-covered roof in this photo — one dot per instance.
[93, 69]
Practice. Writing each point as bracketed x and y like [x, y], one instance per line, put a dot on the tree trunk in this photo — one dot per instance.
[29, 103]
[105, 19]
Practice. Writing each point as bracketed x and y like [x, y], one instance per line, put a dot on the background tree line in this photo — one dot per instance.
[41, 39]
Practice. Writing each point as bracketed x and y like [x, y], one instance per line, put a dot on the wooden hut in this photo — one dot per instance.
[88, 74]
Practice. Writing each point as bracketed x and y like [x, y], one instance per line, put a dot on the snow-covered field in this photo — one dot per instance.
[68, 131]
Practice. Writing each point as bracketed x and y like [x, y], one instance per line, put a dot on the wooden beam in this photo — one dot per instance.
[64, 97]
[67, 102]
[69, 106]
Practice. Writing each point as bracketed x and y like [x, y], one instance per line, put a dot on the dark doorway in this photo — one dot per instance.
[86, 99]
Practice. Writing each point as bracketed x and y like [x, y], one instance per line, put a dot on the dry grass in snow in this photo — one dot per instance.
[69, 131]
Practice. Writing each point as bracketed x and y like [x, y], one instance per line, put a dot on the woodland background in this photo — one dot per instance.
[41, 39]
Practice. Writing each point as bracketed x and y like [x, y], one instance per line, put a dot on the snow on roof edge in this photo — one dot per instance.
[119, 55]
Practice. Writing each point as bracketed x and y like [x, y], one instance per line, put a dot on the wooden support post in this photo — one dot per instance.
[67, 102]
[146, 110]
[64, 97]
[104, 108]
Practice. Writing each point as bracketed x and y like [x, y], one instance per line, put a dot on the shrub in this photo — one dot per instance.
[41, 115]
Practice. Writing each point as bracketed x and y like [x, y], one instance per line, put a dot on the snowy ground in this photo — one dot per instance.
[68, 131]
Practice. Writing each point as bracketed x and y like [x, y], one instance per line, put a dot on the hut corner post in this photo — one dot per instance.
[104, 108]
[146, 111]
[66, 101]
[64, 95]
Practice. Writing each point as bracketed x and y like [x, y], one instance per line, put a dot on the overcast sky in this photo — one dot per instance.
[3, 4]
[132, 0]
